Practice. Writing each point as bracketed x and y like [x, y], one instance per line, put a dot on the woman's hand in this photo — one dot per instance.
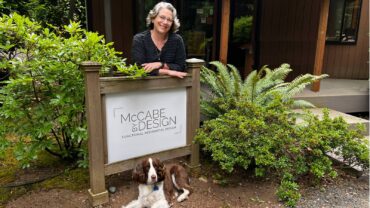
[148, 67]
[172, 73]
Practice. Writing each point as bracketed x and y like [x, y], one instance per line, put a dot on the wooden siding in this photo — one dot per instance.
[95, 15]
[350, 61]
[121, 14]
[288, 34]
[122, 26]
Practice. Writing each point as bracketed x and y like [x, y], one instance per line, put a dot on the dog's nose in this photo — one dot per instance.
[154, 177]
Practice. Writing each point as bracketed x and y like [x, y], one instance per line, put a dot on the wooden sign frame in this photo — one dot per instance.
[97, 87]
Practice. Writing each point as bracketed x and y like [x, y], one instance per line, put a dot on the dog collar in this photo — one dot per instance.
[155, 187]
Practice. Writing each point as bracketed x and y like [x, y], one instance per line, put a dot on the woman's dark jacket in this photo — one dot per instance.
[172, 53]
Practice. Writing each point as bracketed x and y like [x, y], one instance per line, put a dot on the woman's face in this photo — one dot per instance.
[163, 21]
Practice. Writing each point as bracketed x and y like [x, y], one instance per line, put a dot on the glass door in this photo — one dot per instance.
[198, 27]
[241, 35]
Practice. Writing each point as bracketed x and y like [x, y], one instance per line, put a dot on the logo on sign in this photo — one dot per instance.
[148, 121]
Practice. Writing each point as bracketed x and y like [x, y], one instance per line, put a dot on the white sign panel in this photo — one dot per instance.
[144, 122]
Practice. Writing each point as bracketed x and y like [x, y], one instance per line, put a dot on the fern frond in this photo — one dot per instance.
[247, 91]
[272, 78]
[263, 71]
[209, 110]
[302, 104]
[281, 72]
[289, 93]
[236, 80]
[299, 83]
[224, 78]
[209, 78]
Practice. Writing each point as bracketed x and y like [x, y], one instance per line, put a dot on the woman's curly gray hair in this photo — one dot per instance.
[154, 12]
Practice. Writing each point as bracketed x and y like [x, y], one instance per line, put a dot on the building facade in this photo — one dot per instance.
[314, 36]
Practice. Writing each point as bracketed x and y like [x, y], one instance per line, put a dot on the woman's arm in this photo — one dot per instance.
[138, 54]
[172, 73]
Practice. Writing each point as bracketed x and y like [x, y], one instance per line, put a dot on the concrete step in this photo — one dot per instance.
[344, 95]
[351, 120]
[354, 169]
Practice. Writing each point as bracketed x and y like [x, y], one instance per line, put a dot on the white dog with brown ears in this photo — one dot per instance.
[158, 184]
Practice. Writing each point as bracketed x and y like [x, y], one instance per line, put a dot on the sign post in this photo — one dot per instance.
[129, 119]
[97, 192]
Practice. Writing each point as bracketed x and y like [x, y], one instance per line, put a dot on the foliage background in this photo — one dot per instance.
[54, 12]
[42, 103]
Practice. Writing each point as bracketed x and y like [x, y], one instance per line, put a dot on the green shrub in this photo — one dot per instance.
[242, 29]
[269, 138]
[47, 11]
[43, 101]
[225, 88]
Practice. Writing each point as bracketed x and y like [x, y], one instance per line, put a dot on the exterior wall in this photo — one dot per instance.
[350, 61]
[95, 15]
[288, 34]
[114, 21]
[122, 26]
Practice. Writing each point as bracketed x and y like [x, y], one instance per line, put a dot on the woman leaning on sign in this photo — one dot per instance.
[160, 50]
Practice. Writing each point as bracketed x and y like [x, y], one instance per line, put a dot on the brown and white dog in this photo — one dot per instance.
[158, 184]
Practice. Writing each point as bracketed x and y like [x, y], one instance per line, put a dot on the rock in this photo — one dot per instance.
[112, 189]
[203, 179]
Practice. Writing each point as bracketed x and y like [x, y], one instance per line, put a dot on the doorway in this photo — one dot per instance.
[241, 47]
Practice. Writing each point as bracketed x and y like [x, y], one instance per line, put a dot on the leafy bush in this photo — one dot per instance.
[242, 29]
[43, 101]
[267, 138]
[47, 11]
[225, 88]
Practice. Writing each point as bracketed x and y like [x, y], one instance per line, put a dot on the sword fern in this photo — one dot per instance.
[223, 88]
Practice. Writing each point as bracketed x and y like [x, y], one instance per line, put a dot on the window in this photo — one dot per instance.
[343, 21]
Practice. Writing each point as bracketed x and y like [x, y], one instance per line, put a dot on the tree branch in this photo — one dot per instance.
[53, 153]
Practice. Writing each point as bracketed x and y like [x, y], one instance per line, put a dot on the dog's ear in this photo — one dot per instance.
[138, 174]
[160, 169]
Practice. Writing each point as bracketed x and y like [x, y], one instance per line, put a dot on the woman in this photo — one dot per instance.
[160, 50]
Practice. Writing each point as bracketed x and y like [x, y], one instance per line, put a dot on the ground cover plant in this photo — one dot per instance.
[42, 103]
[252, 126]
[268, 140]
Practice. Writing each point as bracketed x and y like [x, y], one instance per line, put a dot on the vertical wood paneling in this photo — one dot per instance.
[351, 61]
[313, 35]
[292, 23]
[122, 24]
[289, 33]
[96, 15]
[301, 40]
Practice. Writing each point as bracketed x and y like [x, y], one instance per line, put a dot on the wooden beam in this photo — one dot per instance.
[224, 40]
[320, 44]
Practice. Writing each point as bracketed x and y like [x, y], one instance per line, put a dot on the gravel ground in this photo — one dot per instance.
[243, 191]
[346, 191]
